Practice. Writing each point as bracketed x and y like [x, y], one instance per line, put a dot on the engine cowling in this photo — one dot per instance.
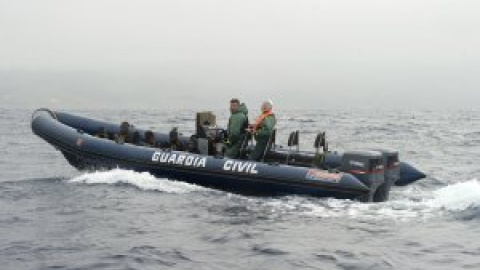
[368, 167]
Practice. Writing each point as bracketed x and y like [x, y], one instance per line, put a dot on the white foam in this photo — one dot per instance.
[143, 181]
[457, 197]
[407, 203]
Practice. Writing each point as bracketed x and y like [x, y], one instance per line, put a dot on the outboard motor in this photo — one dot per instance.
[391, 164]
[368, 167]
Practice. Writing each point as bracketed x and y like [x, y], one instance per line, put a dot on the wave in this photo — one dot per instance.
[458, 200]
[143, 181]
[457, 197]
[405, 204]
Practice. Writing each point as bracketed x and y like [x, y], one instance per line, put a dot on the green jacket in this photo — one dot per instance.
[266, 129]
[237, 124]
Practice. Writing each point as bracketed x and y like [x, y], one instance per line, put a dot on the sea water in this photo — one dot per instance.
[54, 217]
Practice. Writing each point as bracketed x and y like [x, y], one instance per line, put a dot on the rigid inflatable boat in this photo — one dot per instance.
[364, 175]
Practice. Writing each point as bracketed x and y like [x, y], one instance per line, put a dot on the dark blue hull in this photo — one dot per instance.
[87, 152]
[408, 173]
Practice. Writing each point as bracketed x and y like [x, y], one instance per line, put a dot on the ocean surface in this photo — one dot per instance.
[54, 217]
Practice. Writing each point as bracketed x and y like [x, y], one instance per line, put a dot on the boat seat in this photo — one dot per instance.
[320, 142]
[271, 142]
[293, 140]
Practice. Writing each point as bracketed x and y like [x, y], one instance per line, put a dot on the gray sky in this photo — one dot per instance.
[199, 54]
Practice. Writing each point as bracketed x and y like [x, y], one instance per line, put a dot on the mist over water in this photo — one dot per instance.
[54, 217]
[303, 54]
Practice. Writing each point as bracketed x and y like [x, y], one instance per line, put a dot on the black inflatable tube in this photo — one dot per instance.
[408, 173]
[85, 151]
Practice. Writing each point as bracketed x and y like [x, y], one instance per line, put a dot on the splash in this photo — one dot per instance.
[457, 197]
[143, 181]
[453, 199]
[406, 204]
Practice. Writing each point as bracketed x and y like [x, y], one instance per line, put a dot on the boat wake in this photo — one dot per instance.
[461, 199]
[457, 197]
[143, 181]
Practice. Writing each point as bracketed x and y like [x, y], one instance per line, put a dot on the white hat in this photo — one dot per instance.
[268, 103]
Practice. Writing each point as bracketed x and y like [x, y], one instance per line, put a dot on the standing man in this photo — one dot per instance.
[263, 129]
[237, 125]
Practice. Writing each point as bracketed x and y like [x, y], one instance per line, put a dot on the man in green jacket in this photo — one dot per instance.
[263, 129]
[237, 125]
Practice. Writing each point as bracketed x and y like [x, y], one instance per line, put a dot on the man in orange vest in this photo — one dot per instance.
[262, 130]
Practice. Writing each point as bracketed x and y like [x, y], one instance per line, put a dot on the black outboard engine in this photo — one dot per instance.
[368, 167]
[391, 164]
